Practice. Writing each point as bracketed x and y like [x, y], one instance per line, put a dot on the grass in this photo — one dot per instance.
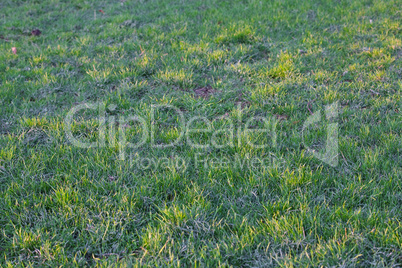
[225, 62]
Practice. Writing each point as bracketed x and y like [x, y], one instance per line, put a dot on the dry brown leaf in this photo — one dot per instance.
[281, 116]
[204, 92]
[36, 32]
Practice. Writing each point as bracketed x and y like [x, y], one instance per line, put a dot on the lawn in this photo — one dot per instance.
[200, 133]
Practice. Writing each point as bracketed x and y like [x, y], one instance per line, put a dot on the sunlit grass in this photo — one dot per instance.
[224, 61]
